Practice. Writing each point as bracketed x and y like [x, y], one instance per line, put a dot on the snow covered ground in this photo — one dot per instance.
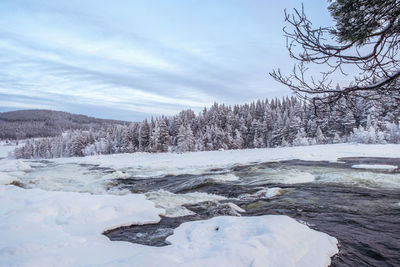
[6, 148]
[147, 164]
[52, 227]
[42, 228]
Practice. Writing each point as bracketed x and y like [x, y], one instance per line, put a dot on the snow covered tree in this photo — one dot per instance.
[144, 136]
[259, 124]
[336, 138]
[164, 138]
[186, 141]
[237, 142]
[320, 137]
[301, 138]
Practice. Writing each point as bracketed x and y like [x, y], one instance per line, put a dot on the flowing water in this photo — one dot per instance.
[360, 207]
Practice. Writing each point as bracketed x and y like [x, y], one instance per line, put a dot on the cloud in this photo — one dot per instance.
[71, 54]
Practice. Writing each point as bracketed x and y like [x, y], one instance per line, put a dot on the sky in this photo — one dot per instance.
[129, 60]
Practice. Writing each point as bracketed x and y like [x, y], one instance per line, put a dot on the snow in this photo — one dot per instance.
[62, 228]
[54, 228]
[252, 241]
[172, 203]
[6, 178]
[225, 177]
[375, 167]
[6, 149]
[14, 165]
[43, 228]
[289, 176]
[157, 164]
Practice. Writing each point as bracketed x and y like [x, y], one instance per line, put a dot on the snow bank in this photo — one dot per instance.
[5, 149]
[14, 165]
[156, 164]
[62, 228]
[42, 228]
[5, 178]
[375, 167]
[270, 240]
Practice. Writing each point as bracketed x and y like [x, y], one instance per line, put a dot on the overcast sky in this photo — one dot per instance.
[132, 59]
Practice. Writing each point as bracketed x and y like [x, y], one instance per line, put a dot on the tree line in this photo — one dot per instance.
[22, 124]
[263, 123]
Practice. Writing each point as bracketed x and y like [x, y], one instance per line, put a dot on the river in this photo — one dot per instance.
[358, 206]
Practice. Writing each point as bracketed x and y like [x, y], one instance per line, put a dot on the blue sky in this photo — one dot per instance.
[133, 59]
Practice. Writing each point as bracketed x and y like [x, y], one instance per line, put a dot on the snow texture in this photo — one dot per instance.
[42, 228]
[46, 228]
[375, 167]
[159, 164]
[172, 203]
[67, 174]
[6, 148]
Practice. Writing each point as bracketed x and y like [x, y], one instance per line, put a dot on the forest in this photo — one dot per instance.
[263, 123]
[23, 124]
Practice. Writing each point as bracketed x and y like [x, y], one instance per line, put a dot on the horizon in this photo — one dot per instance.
[152, 116]
[130, 61]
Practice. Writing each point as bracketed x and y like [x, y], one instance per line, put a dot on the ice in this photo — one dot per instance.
[235, 208]
[14, 165]
[158, 164]
[298, 177]
[273, 191]
[225, 177]
[7, 148]
[264, 193]
[40, 227]
[307, 174]
[67, 174]
[43, 228]
[375, 167]
[360, 178]
[6, 178]
[253, 241]
[61, 177]
[172, 203]
[282, 175]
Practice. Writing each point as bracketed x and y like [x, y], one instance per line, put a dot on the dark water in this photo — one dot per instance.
[362, 214]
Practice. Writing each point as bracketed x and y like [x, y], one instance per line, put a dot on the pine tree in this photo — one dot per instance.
[163, 138]
[144, 137]
[320, 137]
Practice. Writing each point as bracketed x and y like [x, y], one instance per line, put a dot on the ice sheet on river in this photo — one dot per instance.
[91, 174]
[160, 164]
[43, 228]
[375, 167]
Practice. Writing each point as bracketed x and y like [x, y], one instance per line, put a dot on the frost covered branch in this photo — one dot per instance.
[366, 36]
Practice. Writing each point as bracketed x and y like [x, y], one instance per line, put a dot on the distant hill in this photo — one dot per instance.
[44, 123]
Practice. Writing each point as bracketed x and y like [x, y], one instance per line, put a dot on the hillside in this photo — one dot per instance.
[43, 123]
